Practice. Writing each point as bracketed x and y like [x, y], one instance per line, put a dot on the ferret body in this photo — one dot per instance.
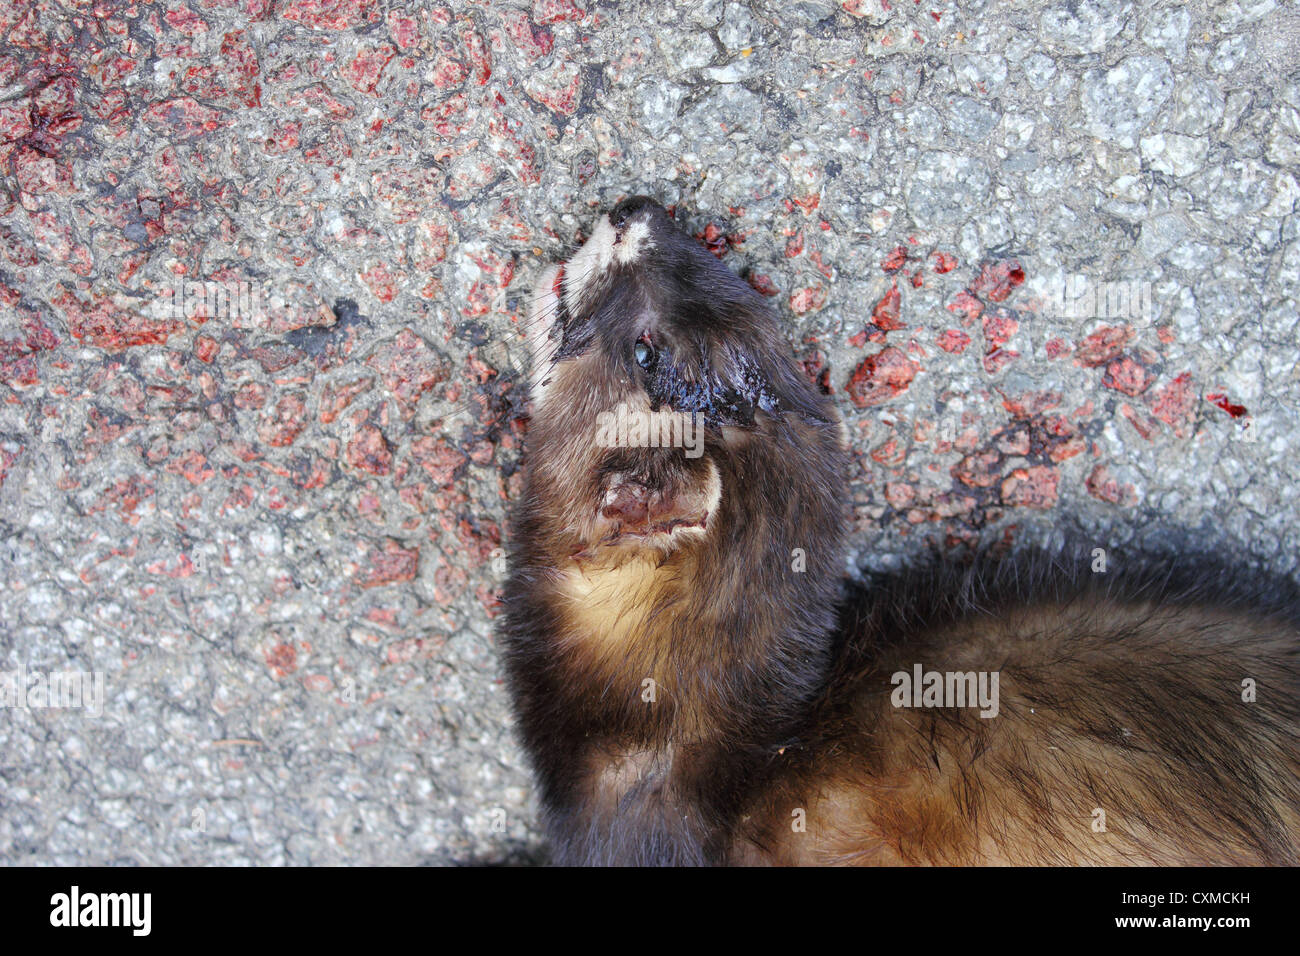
[693, 686]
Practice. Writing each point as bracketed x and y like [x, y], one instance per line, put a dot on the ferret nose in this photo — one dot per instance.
[629, 207]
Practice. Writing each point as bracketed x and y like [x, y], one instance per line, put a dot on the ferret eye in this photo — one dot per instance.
[645, 353]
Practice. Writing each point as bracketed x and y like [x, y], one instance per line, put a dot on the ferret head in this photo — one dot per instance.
[660, 382]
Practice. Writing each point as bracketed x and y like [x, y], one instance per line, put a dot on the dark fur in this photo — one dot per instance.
[1124, 687]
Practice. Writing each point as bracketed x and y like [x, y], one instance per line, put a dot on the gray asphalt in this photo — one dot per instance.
[274, 531]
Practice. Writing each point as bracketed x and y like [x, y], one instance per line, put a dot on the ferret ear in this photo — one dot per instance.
[637, 505]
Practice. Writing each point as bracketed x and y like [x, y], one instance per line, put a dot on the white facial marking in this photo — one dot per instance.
[589, 262]
[711, 501]
[636, 238]
[542, 315]
[604, 248]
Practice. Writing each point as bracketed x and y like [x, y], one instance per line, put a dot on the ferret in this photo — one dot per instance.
[696, 680]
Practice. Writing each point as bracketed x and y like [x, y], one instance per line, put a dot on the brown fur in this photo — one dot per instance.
[1134, 710]
[1119, 693]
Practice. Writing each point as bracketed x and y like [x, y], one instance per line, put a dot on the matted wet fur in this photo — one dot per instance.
[695, 684]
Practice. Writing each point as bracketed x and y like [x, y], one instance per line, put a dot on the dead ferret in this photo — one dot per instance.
[695, 683]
